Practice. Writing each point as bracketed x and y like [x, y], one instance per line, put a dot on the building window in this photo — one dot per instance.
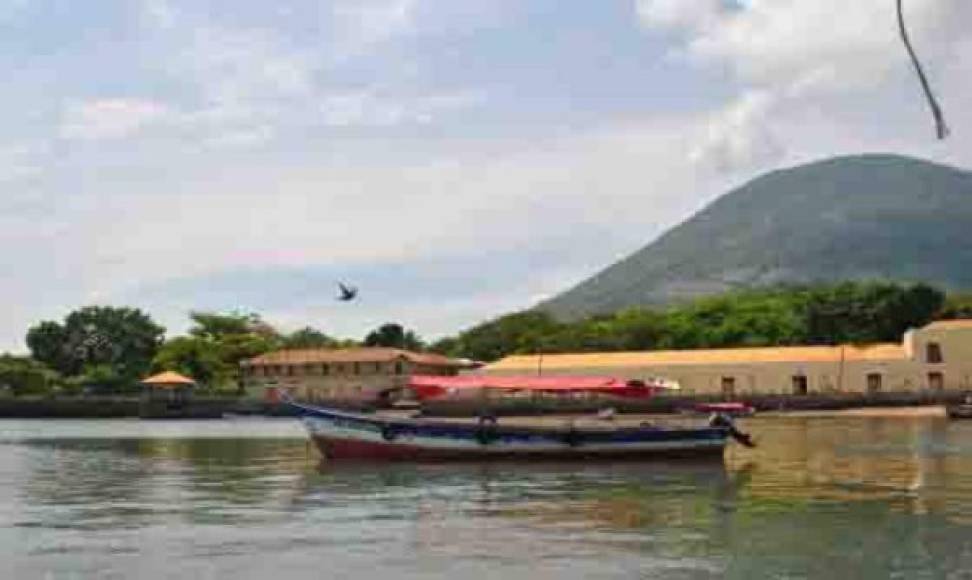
[933, 352]
[339, 369]
[873, 382]
[399, 368]
[800, 385]
[728, 387]
[377, 368]
[936, 381]
[357, 368]
[325, 369]
[290, 370]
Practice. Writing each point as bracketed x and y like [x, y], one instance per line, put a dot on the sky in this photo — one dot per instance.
[456, 160]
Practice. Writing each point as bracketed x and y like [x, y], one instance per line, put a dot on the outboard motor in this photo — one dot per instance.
[723, 421]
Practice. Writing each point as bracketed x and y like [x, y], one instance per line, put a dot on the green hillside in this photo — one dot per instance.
[851, 218]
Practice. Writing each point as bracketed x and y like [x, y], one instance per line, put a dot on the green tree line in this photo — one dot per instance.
[104, 349]
[851, 312]
[109, 349]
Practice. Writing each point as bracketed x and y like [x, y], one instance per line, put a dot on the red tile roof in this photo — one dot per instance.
[950, 324]
[350, 355]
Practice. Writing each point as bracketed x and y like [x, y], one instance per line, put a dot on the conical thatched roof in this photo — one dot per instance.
[168, 379]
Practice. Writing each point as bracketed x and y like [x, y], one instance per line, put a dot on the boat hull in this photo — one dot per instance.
[341, 435]
[959, 411]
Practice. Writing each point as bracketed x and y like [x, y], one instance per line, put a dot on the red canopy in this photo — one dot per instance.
[426, 386]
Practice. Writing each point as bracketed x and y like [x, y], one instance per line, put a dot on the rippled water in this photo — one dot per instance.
[821, 498]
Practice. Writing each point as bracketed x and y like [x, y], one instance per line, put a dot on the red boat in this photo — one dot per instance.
[343, 435]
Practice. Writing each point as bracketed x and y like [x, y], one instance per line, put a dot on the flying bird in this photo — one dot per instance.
[348, 293]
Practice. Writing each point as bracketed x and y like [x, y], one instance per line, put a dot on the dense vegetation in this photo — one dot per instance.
[864, 217]
[853, 312]
[107, 349]
[98, 346]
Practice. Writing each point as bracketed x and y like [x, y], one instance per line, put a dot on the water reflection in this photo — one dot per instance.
[137, 482]
[850, 497]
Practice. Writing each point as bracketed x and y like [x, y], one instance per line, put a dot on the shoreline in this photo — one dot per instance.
[912, 412]
[115, 407]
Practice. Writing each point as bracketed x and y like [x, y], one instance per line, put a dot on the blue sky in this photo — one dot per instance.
[456, 160]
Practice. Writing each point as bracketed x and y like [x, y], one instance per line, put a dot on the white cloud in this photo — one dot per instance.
[112, 118]
[361, 24]
[242, 79]
[793, 56]
[372, 109]
[160, 12]
[20, 161]
[681, 15]
[449, 200]
[239, 66]
[740, 136]
[240, 138]
[824, 44]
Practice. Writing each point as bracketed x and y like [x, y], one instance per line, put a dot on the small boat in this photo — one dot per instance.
[961, 410]
[347, 435]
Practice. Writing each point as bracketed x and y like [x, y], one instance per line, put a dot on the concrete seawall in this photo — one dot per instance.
[669, 404]
[120, 407]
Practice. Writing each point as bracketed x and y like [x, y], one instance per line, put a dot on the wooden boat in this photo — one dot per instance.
[346, 435]
[961, 410]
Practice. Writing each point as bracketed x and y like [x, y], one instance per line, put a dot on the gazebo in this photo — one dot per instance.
[168, 386]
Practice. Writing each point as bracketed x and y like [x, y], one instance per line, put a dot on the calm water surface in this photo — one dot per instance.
[821, 498]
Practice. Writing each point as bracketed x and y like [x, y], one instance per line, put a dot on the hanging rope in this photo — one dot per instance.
[941, 129]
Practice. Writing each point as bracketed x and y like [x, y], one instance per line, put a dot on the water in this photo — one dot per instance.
[821, 498]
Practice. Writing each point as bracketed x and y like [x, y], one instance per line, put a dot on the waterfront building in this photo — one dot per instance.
[934, 358]
[349, 374]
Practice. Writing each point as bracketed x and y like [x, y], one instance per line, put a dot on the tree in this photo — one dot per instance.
[195, 357]
[395, 336]
[25, 376]
[956, 306]
[308, 337]
[48, 342]
[230, 338]
[868, 312]
[215, 326]
[121, 340]
[776, 316]
[448, 346]
[518, 332]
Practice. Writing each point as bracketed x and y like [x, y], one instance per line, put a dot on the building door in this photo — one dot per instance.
[874, 382]
[800, 385]
[728, 387]
[936, 381]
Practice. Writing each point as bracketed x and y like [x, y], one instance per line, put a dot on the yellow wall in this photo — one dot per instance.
[344, 381]
[908, 374]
